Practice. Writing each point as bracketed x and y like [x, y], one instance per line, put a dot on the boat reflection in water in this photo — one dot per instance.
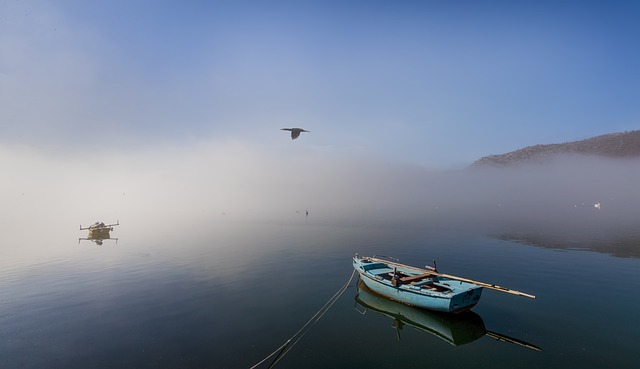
[98, 232]
[456, 329]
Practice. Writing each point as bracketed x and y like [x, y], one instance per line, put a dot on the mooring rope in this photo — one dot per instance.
[285, 348]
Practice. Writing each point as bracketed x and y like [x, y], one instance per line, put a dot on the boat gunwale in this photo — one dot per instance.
[420, 292]
[406, 287]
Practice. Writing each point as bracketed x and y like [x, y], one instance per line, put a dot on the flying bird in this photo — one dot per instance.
[295, 132]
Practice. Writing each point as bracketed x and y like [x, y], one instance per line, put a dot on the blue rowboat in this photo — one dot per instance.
[423, 288]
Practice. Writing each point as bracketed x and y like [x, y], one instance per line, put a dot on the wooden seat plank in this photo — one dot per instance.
[416, 277]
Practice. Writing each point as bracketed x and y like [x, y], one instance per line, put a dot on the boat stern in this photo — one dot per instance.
[464, 301]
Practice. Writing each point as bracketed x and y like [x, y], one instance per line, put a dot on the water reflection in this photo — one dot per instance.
[455, 329]
[98, 232]
[623, 244]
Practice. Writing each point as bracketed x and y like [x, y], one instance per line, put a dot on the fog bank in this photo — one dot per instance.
[213, 184]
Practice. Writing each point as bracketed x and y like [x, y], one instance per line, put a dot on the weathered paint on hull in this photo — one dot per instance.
[463, 297]
[456, 304]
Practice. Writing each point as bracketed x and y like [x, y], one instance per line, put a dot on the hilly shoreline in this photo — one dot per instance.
[612, 145]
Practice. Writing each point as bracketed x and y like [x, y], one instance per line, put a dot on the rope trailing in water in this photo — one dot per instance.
[288, 345]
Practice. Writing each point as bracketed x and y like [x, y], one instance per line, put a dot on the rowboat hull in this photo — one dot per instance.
[416, 287]
[455, 329]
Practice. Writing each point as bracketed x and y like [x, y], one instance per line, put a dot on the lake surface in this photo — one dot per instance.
[228, 295]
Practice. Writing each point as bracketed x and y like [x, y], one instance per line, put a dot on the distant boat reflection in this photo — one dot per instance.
[456, 329]
[98, 232]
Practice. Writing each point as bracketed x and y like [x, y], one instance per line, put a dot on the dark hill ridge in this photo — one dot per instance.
[613, 145]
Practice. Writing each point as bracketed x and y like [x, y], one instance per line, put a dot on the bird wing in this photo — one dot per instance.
[295, 132]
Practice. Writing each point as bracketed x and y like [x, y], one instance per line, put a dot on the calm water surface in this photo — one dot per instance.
[228, 296]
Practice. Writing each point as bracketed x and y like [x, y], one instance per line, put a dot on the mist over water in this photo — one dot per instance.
[218, 184]
[570, 193]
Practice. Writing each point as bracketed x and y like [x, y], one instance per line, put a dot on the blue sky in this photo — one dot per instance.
[431, 83]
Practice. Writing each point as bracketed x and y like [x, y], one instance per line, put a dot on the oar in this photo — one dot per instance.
[486, 285]
[483, 284]
[503, 338]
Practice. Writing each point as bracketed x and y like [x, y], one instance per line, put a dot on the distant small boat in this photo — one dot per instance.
[99, 232]
[423, 288]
